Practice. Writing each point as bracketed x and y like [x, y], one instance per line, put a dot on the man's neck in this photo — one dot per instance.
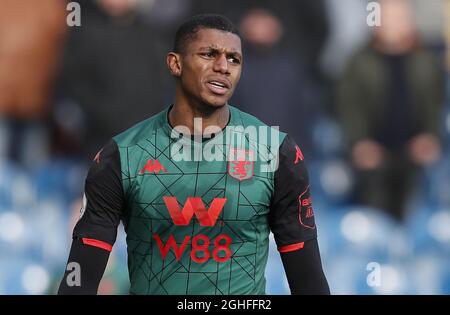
[183, 114]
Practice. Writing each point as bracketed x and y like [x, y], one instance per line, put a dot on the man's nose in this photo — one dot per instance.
[221, 64]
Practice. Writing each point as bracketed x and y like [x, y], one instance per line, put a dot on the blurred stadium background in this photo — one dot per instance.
[65, 90]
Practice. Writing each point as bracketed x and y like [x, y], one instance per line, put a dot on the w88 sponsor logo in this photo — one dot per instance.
[201, 242]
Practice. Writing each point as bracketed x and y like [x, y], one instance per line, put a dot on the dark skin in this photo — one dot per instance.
[207, 71]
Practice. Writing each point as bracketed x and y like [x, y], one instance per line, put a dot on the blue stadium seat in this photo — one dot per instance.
[437, 180]
[429, 229]
[9, 173]
[431, 273]
[345, 274]
[13, 231]
[327, 138]
[50, 227]
[362, 230]
[23, 276]
[61, 178]
[332, 181]
[371, 275]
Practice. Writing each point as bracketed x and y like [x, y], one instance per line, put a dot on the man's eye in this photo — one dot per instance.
[208, 54]
[234, 60]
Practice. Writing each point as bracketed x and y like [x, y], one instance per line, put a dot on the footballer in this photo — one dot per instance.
[199, 225]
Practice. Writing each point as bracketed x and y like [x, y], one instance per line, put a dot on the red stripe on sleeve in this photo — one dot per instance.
[97, 243]
[291, 248]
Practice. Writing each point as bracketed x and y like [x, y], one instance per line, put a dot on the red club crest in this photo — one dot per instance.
[306, 212]
[241, 164]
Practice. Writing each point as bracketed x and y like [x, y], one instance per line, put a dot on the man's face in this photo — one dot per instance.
[211, 66]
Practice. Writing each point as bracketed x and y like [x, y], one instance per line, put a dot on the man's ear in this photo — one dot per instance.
[174, 63]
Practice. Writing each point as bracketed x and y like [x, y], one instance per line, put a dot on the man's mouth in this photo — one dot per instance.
[218, 87]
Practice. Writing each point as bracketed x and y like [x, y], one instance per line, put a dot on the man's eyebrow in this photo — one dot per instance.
[215, 49]
[210, 48]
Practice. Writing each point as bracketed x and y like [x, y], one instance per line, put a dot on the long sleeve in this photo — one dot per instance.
[292, 222]
[304, 270]
[96, 231]
[85, 268]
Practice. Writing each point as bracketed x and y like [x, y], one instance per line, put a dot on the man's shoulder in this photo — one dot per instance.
[247, 120]
[141, 130]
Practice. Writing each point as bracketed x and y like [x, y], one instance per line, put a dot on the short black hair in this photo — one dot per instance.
[188, 30]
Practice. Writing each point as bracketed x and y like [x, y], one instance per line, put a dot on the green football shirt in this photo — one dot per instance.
[198, 212]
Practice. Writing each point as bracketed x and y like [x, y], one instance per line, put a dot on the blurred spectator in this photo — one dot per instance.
[275, 84]
[389, 100]
[348, 32]
[113, 73]
[305, 23]
[31, 36]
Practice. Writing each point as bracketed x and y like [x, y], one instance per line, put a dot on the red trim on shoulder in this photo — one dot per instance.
[97, 243]
[291, 248]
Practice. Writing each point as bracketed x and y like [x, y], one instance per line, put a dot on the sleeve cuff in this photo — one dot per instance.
[291, 248]
[97, 243]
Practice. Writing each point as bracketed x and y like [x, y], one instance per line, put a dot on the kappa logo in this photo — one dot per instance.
[241, 164]
[97, 156]
[298, 155]
[194, 205]
[152, 166]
